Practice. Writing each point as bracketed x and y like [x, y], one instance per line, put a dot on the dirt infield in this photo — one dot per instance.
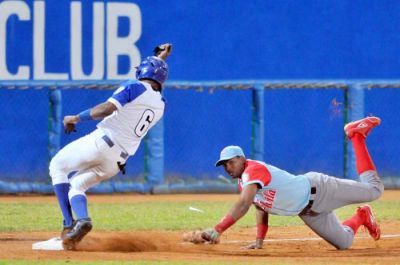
[284, 244]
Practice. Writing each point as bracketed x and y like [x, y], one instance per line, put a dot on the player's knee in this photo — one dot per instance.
[345, 244]
[57, 173]
[57, 164]
[78, 185]
[73, 192]
[345, 241]
[343, 247]
[377, 191]
[376, 187]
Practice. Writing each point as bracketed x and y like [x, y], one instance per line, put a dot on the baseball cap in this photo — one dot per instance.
[229, 152]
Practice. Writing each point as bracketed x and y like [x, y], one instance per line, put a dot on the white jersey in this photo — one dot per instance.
[139, 108]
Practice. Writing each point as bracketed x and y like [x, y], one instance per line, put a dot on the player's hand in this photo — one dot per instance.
[69, 123]
[162, 51]
[211, 236]
[256, 245]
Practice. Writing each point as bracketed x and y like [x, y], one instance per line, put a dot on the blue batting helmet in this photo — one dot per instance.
[152, 68]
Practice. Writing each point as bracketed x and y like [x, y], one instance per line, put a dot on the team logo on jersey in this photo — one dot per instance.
[245, 177]
[267, 200]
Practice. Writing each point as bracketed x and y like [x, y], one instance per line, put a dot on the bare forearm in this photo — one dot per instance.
[246, 200]
[96, 113]
[102, 110]
[239, 209]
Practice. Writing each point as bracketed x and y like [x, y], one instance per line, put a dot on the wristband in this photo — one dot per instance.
[262, 230]
[85, 115]
[225, 223]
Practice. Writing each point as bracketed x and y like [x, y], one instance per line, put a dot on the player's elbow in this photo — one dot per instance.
[109, 109]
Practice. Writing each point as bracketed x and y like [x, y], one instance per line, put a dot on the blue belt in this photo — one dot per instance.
[110, 143]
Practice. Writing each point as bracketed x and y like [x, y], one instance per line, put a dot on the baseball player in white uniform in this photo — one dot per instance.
[134, 108]
[312, 196]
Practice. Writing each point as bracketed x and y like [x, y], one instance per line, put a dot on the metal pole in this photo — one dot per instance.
[257, 143]
[355, 112]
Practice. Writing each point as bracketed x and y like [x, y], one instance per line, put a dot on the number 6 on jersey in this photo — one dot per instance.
[144, 122]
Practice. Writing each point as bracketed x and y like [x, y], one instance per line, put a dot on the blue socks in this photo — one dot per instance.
[79, 205]
[61, 191]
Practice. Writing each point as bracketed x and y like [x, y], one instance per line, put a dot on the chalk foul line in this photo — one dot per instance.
[302, 239]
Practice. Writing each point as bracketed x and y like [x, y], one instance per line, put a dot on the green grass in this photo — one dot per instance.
[154, 215]
[130, 216]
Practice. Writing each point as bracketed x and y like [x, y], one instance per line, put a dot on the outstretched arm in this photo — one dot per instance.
[245, 201]
[237, 212]
[98, 112]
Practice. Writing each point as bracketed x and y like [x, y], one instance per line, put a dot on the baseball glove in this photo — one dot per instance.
[69, 123]
[69, 128]
[193, 237]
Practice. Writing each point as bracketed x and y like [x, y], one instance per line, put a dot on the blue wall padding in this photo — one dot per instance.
[25, 187]
[24, 135]
[304, 130]
[383, 142]
[200, 187]
[198, 125]
[118, 186]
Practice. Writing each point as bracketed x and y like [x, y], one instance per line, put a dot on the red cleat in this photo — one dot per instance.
[363, 126]
[372, 226]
